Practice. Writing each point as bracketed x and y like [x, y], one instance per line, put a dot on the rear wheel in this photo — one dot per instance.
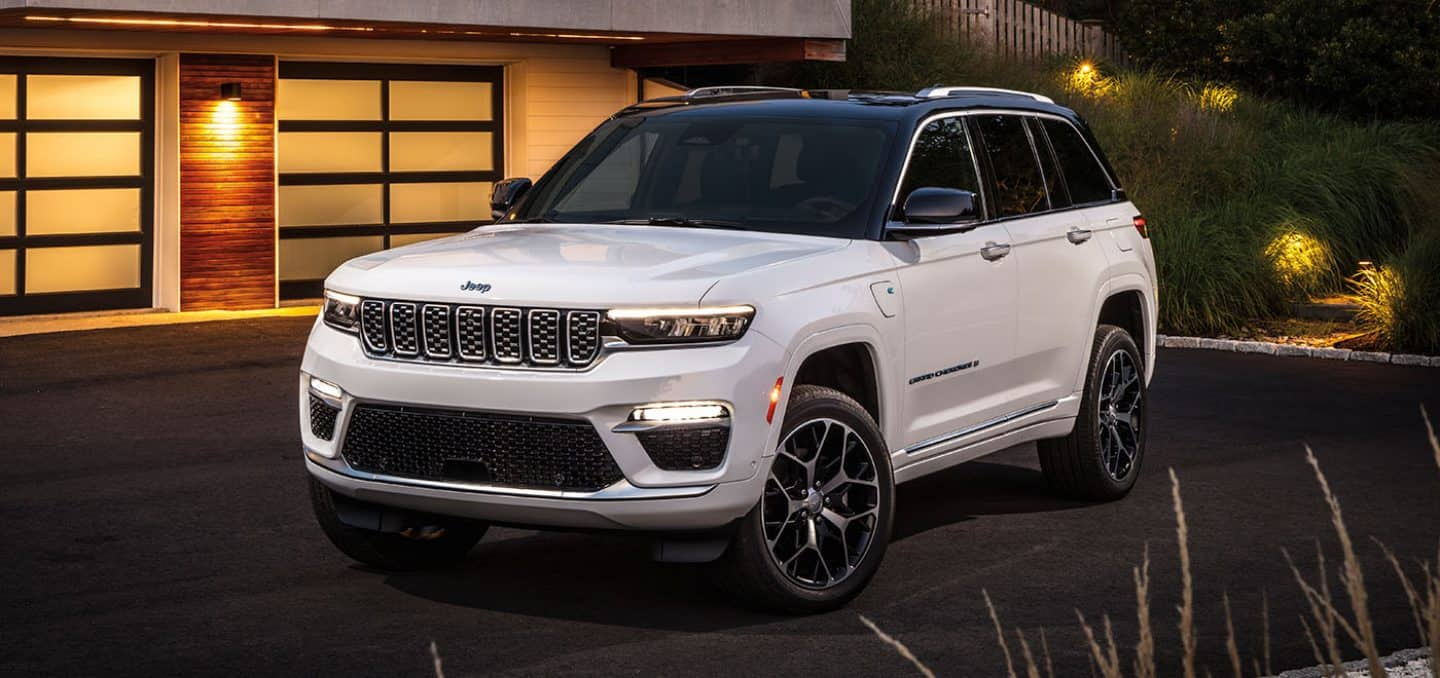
[1101, 457]
[823, 523]
[424, 542]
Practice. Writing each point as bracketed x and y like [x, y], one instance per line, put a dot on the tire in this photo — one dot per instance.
[810, 569]
[438, 541]
[1102, 456]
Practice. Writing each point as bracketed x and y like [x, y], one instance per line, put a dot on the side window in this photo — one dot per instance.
[1059, 197]
[1083, 173]
[1019, 186]
[941, 159]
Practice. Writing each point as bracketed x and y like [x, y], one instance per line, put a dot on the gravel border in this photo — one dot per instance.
[1394, 661]
[1292, 351]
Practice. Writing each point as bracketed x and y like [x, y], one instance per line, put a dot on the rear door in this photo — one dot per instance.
[959, 304]
[1059, 260]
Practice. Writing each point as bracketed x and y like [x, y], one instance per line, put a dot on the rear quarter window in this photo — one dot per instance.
[1083, 174]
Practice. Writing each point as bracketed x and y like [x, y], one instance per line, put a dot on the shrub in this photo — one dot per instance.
[1400, 300]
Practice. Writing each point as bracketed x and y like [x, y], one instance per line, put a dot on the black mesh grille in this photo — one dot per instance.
[545, 336]
[322, 419]
[495, 449]
[484, 335]
[686, 448]
[436, 320]
[470, 332]
[582, 335]
[402, 328]
[505, 334]
[372, 324]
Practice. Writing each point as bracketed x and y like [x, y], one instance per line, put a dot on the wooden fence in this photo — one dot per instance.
[1019, 30]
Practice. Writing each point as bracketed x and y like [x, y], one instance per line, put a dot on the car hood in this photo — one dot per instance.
[571, 265]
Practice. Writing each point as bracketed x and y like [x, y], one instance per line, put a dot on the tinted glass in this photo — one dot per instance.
[793, 175]
[1083, 174]
[1059, 197]
[941, 159]
[1019, 188]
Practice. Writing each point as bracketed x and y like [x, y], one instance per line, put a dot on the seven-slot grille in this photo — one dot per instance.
[479, 335]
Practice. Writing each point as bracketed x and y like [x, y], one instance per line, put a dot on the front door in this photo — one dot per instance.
[959, 293]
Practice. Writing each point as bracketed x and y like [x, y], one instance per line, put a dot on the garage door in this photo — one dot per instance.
[373, 156]
[76, 205]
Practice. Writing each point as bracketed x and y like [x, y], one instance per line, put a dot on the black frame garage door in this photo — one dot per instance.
[76, 184]
[372, 156]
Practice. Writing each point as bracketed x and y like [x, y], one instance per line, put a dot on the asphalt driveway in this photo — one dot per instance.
[155, 522]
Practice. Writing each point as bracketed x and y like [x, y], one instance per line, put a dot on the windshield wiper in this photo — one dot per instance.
[684, 222]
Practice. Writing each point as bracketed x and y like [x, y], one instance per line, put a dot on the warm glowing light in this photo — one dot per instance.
[1218, 98]
[1087, 80]
[576, 36]
[193, 23]
[325, 388]
[1301, 262]
[774, 400]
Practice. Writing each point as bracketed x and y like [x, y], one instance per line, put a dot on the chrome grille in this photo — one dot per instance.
[372, 325]
[505, 334]
[583, 333]
[470, 331]
[402, 329]
[437, 331]
[480, 335]
[545, 336]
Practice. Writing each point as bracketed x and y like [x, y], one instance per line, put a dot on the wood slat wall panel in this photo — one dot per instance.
[227, 183]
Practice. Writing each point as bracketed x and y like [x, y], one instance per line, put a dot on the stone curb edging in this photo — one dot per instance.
[1290, 350]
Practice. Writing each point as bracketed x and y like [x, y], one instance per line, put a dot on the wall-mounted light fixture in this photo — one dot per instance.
[230, 91]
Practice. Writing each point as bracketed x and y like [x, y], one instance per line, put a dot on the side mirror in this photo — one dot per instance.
[504, 194]
[943, 207]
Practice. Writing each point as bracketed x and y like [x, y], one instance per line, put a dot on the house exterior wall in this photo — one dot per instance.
[554, 94]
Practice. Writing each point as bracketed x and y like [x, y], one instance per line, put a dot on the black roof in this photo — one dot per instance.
[900, 106]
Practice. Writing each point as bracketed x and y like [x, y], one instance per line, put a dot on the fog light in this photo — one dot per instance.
[679, 412]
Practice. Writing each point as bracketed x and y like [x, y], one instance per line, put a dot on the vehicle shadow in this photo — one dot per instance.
[610, 579]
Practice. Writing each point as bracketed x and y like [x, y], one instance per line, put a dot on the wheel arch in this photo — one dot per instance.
[856, 350]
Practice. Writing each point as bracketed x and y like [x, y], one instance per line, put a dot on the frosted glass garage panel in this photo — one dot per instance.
[421, 100]
[300, 99]
[7, 154]
[447, 201]
[82, 154]
[440, 151]
[8, 90]
[7, 272]
[86, 210]
[337, 205]
[329, 152]
[402, 239]
[7, 213]
[315, 258]
[82, 97]
[80, 269]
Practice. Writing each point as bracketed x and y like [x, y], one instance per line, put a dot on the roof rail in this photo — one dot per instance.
[732, 90]
[944, 91]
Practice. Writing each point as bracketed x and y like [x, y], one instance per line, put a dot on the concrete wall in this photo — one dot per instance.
[790, 18]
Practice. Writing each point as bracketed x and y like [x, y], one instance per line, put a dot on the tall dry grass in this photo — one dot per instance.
[1333, 628]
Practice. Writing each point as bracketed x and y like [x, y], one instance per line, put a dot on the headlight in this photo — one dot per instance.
[342, 311]
[681, 325]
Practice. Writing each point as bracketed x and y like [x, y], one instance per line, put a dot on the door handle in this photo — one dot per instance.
[992, 251]
[1078, 235]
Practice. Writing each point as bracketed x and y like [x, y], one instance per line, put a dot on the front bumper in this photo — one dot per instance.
[649, 498]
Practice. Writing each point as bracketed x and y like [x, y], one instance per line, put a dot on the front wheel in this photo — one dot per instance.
[823, 522]
[1101, 457]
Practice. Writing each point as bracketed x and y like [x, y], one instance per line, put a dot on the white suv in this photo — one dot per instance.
[736, 319]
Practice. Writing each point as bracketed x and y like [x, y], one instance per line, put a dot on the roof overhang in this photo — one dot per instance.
[645, 32]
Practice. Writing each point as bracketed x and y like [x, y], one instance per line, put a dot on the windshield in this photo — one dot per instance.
[785, 175]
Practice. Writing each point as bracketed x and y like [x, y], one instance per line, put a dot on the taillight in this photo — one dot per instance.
[1140, 226]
